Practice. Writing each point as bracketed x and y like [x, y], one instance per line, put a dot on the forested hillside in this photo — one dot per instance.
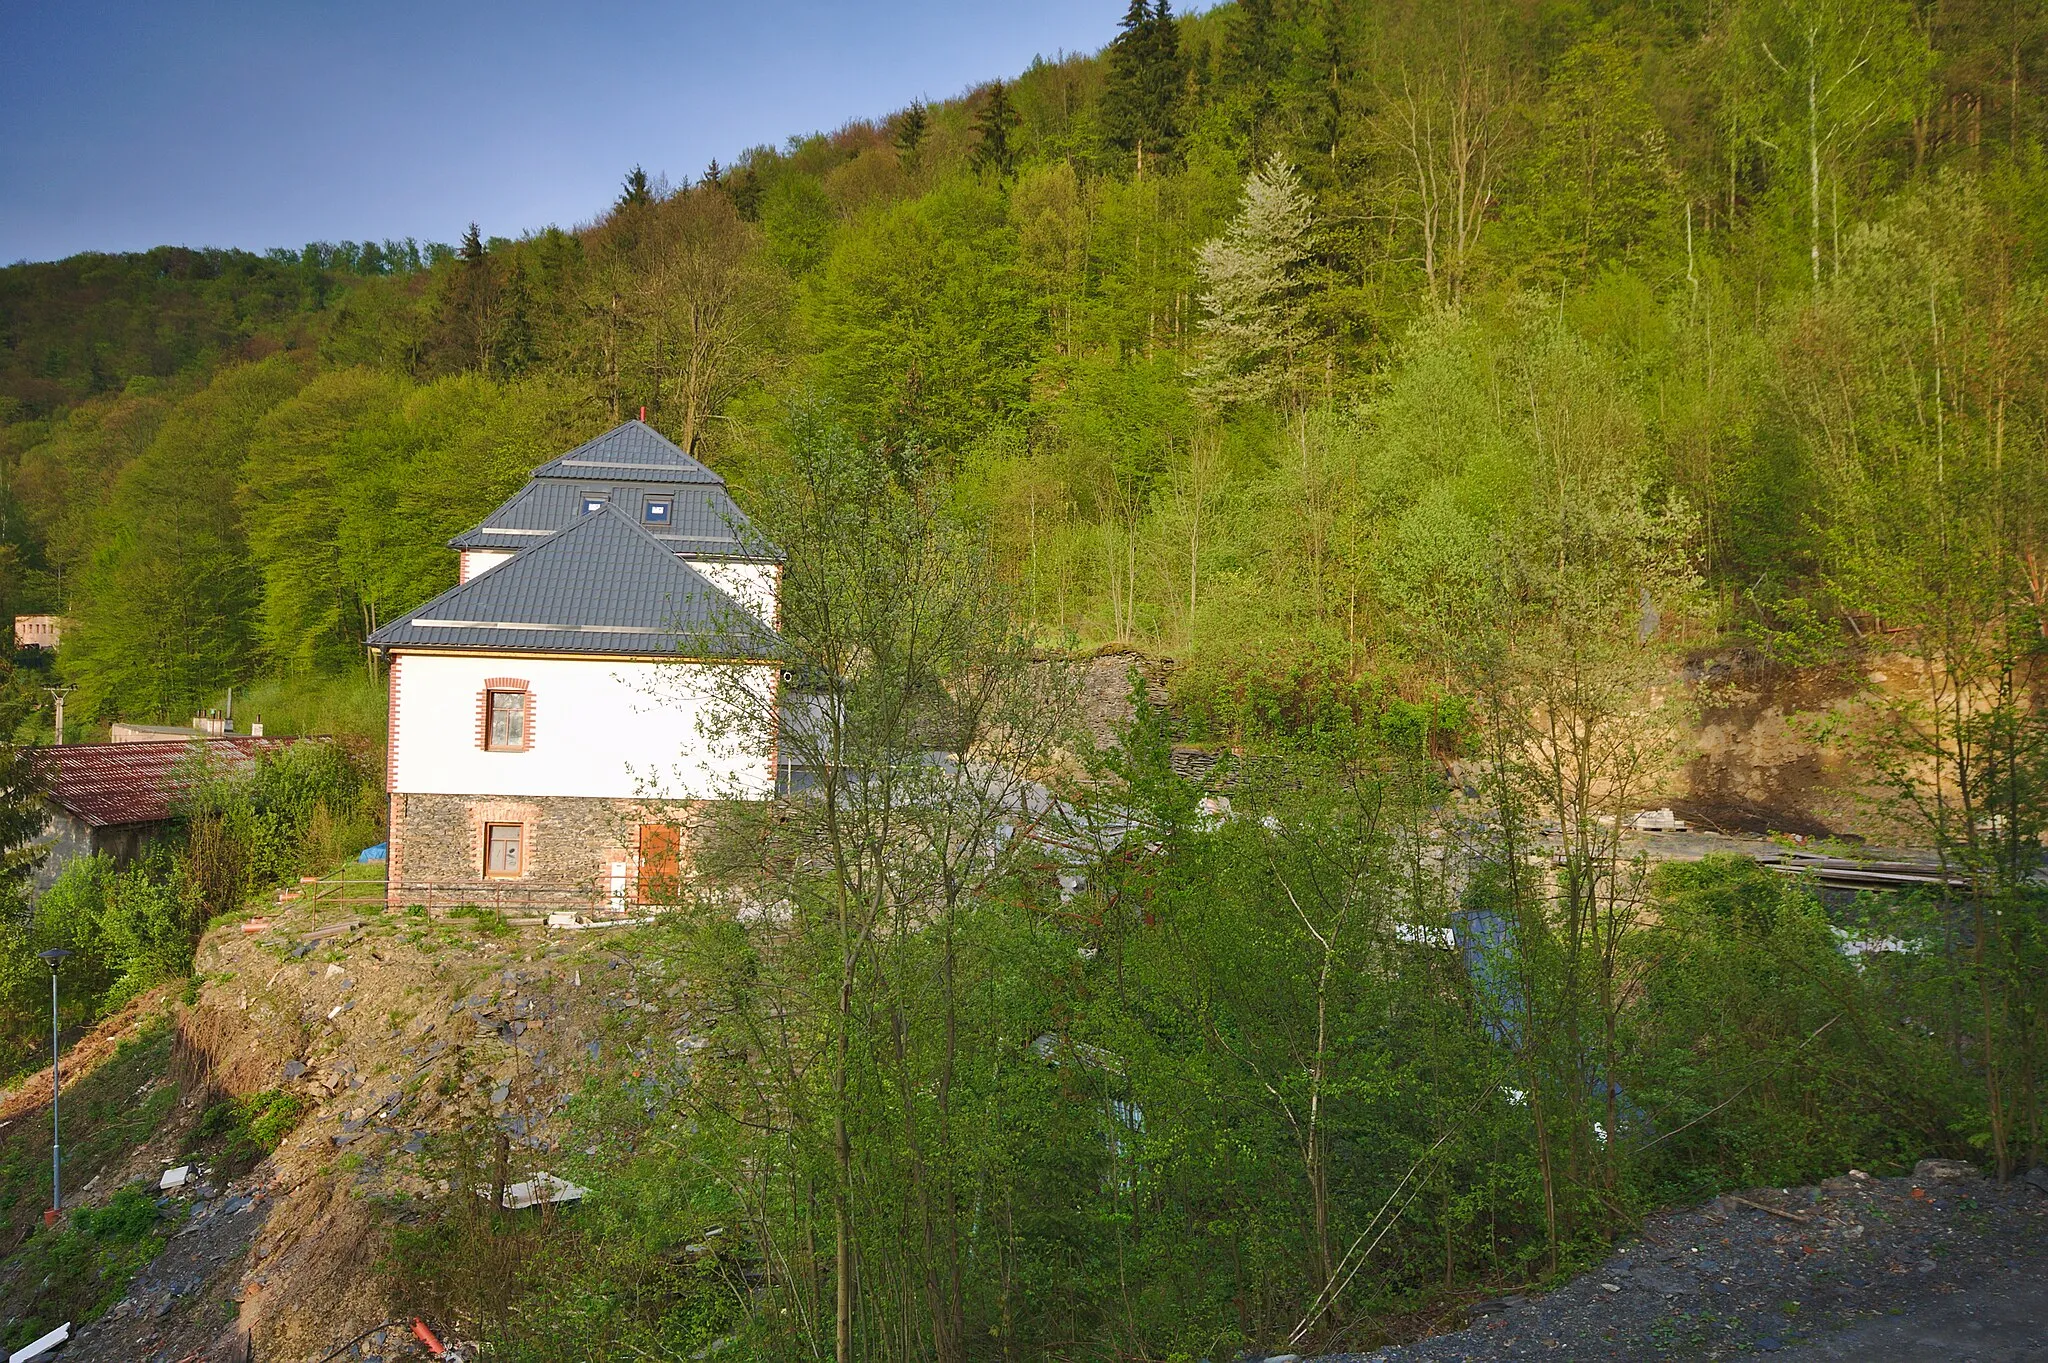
[1238, 337]
[1436, 382]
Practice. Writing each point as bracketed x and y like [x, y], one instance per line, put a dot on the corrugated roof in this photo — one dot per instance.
[604, 585]
[634, 452]
[123, 783]
[704, 521]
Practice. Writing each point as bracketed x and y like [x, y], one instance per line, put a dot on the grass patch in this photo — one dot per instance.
[350, 704]
[83, 1266]
[243, 1130]
[80, 1270]
[488, 922]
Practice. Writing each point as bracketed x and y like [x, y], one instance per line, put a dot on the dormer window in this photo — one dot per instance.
[594, 501]
[658, 510]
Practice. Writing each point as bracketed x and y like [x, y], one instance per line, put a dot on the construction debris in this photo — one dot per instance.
[46, 1345]
[539, 1189]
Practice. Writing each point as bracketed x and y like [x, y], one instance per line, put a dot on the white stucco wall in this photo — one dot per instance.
[476, 562]
[613, 730]
[754, 585]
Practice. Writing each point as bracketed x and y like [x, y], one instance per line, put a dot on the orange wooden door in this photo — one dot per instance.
[661, 847]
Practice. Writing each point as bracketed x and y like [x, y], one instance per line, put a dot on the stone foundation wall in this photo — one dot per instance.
[568, 848]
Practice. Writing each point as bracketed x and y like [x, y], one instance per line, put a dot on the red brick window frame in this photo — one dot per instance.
[504, 715]
[505, 851]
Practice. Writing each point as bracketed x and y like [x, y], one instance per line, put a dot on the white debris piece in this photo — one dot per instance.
[1422, 935]
[174, 1178]
[542, 1188]
[1658, 821]
[40, 1347]
[1851, 945]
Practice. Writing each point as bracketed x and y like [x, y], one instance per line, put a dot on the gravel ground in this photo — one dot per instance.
[1944, 1265]
[182, 1306]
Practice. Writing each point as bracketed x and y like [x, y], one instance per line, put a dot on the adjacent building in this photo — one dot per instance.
[116, 799]
[38, 631]
[557, 714]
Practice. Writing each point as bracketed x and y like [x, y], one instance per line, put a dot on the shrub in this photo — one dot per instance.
[129, 1215]
[250, 1127]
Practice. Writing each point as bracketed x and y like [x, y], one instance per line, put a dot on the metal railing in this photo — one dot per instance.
[342, 890]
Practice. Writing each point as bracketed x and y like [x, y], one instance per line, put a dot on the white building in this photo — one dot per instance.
[548, 713]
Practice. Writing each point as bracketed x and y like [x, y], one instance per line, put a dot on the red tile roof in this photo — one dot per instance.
[124, 783]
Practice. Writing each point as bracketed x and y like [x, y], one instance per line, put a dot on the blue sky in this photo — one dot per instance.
[128, 125]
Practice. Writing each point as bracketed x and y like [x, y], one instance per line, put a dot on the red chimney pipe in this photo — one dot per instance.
[643, 414]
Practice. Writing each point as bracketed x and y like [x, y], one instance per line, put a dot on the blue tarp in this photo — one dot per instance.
[1487, 942]
[381, 852]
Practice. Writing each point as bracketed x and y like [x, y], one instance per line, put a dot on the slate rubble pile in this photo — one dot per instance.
[1767, 1271]
[182, 1305]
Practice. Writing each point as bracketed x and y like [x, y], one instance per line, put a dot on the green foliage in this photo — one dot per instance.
[1143, 85]
[84, 1266]
[128, 929]
[80, 1275]
[1314, 706]
[132, 928]
[161, 611]
[296, 810]
[246, 1129]
[130, 1214]
[1791, 1060]
[488, 921]
[1568, 338]
[350, 706]
[924, 329]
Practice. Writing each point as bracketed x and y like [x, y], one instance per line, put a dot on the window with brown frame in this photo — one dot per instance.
[504, 845]
[505, 721]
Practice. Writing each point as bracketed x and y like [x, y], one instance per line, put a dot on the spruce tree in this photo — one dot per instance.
[1250, 57]
[1141, 96]
[911, 126]
[635, 192]
[23, 816]
[472, 250]
[992, 148]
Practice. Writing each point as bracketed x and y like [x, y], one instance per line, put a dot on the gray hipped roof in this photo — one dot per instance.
[634, 452]
[625, 466]
[603, 585]
[704, 523]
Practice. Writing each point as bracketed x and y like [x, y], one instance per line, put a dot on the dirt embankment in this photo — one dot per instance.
[397, 1031]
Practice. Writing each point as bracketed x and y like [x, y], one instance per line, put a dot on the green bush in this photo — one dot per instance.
[129, 1215]
[82, 1269]
[1793, 1061]
[296, 811]
[250, 1127]
[131, 928]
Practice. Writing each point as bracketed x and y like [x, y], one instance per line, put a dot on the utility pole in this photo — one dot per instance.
[59, 692]
[55, 956]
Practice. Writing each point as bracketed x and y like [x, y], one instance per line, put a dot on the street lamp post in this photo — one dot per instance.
[55, 956]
